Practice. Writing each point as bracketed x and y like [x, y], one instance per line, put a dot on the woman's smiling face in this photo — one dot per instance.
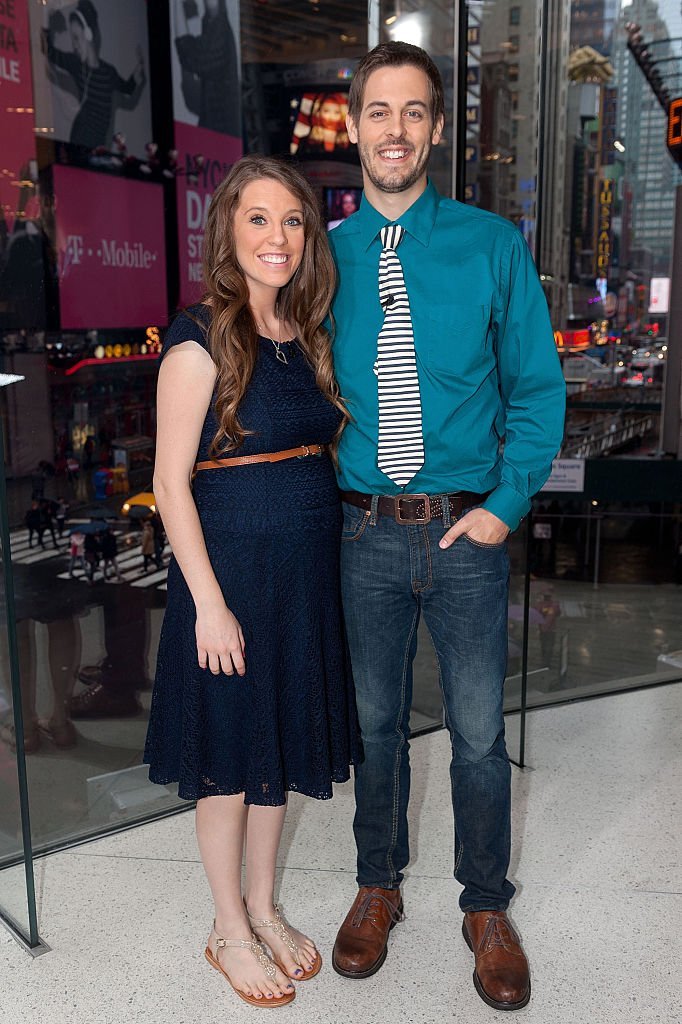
[269, 234]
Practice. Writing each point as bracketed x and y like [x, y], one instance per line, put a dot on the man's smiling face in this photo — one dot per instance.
[395, 131]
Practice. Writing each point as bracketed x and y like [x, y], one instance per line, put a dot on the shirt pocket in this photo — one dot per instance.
[456, 341]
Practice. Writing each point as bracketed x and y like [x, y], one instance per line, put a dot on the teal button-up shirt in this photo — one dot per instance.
[492, 390]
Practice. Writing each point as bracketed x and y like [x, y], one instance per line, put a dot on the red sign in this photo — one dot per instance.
[110, 250]
[204, 158]
[17, 162]
[675, 129]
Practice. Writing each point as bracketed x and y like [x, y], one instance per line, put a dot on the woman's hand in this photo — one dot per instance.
[220, 641]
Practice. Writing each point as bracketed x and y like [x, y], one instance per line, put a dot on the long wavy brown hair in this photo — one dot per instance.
[304, 302]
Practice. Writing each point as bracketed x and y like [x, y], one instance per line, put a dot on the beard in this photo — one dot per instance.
[392, 180]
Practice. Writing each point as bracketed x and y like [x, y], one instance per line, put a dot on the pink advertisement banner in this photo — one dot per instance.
[17, 161]
[204, 158]
[110, 250]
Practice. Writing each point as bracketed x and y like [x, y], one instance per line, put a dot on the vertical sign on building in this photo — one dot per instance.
[674, 138]
[207, 110]
[604, 214]
[473, 108]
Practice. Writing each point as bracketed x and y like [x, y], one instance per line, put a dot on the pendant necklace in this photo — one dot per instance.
[279, 352]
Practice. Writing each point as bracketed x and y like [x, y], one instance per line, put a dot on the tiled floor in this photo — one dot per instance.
[596, 860]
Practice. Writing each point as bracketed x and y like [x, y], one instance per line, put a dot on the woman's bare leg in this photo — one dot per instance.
[263, 834]
[221, 826]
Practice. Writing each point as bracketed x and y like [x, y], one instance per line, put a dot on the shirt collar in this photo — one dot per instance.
[418, 219]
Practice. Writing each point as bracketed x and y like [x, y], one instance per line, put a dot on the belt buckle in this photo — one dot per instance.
[306, 453]
[412, 497]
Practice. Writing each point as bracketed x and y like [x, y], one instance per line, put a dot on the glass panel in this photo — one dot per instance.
[431, 27]
[13, 891]
[606, 599]
[101, 222]
[503, 75]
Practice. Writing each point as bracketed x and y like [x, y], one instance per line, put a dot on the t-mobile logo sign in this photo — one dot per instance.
[109, 253]
[74, 249]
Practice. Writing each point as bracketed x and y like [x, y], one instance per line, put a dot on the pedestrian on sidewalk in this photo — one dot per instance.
[46, 512]
[109, 554]
[34, 524]
[148, 545]
[92, 554]
[60, 514]
[76, 551]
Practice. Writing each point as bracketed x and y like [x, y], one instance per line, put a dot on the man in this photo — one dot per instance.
[443, 348]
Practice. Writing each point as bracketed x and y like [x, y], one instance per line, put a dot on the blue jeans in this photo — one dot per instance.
[391, 574]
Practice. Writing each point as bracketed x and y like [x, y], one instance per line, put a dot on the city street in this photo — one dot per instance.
[130, 560]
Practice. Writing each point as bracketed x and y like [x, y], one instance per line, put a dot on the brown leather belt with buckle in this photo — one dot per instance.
[414, 509]
[302, 452]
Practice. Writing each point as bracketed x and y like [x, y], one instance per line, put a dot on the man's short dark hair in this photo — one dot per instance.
[396, 55]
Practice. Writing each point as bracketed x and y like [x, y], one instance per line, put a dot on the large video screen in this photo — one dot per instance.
[110, 250]
[340, 203]
[318, 125]
[91, 73]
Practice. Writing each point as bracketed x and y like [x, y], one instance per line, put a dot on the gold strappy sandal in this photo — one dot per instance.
[281, 931]
[263, 959]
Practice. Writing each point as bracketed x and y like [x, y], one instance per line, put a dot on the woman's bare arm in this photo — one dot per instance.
[185, 387]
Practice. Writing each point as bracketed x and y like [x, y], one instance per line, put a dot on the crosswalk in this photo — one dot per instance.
[130, 560]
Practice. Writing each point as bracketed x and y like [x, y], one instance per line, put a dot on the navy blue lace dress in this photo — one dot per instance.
[272, 531]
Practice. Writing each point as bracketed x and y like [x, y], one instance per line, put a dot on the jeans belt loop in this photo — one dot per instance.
[374, 510]
[445, 505]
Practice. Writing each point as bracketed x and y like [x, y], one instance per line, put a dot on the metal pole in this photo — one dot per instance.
[373, 23]
[597, 546]
[524, 653]
[15, 679]
[460, 101]
[671, 417]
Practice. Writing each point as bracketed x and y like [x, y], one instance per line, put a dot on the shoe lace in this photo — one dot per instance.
[369, 907]
[498, 932]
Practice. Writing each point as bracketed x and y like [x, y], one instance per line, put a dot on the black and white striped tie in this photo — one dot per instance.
[401, 444]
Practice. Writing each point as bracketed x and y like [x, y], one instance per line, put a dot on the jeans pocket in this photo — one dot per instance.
[354, 521]
[485, 547]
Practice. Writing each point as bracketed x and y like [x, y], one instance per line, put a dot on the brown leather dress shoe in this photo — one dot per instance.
[360, 947]
[501, 975]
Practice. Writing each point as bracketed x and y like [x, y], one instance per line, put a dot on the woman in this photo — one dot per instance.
[253, 695]
[147, 546]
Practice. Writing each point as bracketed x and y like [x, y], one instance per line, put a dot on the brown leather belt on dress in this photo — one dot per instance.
[412, 509]
[302, 452]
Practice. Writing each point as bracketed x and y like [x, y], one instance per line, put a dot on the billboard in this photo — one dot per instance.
[205, 64]
[204, 158]
[659, 295]
[91, 73]
[110, 251]
[207, 112]
[23, 241]
[17, 163]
